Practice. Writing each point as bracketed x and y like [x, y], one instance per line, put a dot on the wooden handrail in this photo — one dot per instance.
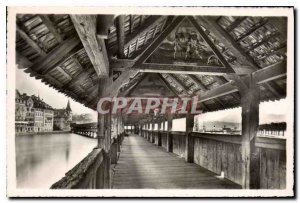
[262, 142]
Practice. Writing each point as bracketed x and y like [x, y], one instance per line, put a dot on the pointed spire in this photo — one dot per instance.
[68, 106]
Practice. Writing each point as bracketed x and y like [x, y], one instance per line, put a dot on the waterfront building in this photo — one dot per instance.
[63, 118]
[32, 114]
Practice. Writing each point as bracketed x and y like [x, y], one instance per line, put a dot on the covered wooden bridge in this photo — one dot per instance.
[226, 61]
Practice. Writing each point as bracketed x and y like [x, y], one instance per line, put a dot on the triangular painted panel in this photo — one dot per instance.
[184, 46]
[151, 85]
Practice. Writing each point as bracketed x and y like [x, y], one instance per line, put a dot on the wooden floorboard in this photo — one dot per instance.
[144, 165]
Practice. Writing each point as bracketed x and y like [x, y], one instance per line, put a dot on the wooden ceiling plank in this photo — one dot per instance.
[49, 24]
[51, 60]
[179, 83]
[221, 80]
[30, 42]
[22, 61]
[203, 87]
[79, 78]
[62, 71]
[172, 89]
[135, 34]
[210, 23]
[85, 26]
[236, 23]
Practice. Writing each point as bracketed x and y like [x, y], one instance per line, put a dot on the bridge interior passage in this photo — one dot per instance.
[144, 165]
[224, 61]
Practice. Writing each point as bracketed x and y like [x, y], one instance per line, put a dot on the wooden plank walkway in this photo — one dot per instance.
[143, 165]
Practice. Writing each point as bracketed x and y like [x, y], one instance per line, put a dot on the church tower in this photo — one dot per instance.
[69, 112]
[68, 107]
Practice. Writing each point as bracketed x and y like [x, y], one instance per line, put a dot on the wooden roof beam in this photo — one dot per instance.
[79, 78]
[62, 71]
[111, 88]
[49, 24]
[182, 69]
[270, 73]
[54, 57]
[134, 35]
[85, 26]
[179, 83]
[172, 89]
[30, 42]
[236, 23]
[203, 87]
[259, 77]
[211, 24]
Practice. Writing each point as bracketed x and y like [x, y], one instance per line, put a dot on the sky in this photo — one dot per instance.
[269, 111]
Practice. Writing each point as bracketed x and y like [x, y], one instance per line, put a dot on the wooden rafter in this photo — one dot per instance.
[179, 83]
[221, 80]
[250, 31]
[52, 59]
[62, 71]
[131, 87]
[203, 87]
[48, 23]
[259, 77]
[30, 42]
[134, 35]
[237, 22]
[112, 87]
[168, 85]
[85, 26]
[210, 23]
[79, 78]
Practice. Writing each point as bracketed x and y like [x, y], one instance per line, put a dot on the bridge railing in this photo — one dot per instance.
[85, 129]
[221, 154]
[90, 172]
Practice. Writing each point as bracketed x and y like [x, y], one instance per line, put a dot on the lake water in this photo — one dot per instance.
[41, 160]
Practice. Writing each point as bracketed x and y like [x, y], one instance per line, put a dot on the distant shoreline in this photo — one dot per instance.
[43, 133]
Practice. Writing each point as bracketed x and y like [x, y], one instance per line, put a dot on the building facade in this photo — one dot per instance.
[63, 118]
[32, 114]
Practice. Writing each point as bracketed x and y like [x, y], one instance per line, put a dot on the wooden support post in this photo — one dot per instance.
[148, 131]
[159, 133]
[104, 142]
[169, 134]
[189, 142]
[152, 132]
[250, 96]
[140, 129]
